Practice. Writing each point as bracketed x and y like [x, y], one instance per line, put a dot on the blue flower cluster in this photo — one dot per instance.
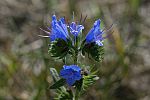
[75, 29]
[59, 30]
[95, 34]
[71, 73]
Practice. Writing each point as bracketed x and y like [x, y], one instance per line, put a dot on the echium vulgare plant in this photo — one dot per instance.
[66, 40]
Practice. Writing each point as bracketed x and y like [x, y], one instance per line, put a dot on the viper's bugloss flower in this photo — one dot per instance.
[95, 34]
[71, 73]
[75, 29]
[59, 29]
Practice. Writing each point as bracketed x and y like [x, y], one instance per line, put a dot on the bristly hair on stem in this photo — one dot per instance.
[45, 36]
[106, 30]
[84, 20]
[73, 16]
[45, 31]
[80, 19]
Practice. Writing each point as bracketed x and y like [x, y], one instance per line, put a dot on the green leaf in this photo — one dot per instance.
[93, 50]
[54, 74]
[64, 95]
[86, 82]
[58, 84]
[89, 80]
[59, 48]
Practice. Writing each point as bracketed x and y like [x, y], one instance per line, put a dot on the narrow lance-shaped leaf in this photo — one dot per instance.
[54, 74]
[58, 84]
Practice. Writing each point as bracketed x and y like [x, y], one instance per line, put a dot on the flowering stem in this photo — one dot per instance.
[64, 60]
[76, 96]
[76, 50]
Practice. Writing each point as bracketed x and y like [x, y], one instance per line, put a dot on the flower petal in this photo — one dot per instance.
[75, 29]
[95, 30]
[73, 26]
[71, 73]
[63, 26]
[80, 28]
[64, 73]
[70, 81]
[75, 68]
[59, 29]
[77, 76]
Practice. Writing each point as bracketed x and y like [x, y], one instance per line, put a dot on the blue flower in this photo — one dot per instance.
[75, 29]
[71, 73]
[95, 34]
[59, 29]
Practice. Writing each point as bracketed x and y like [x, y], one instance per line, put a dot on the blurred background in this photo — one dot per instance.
[24, 60]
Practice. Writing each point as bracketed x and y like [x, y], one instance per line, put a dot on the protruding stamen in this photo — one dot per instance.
[48, 28]
[45, 31]
[43, 36]
[73, 15]
[108, 35]
[80, 19]
[108, 29]
[84, 20]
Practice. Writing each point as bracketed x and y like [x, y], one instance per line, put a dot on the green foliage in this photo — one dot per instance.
[81, 85]
[59, 48]
[58, 84]
[64, 95]
[88, 81]
[54, 74]
[85, 82]
[95, 51]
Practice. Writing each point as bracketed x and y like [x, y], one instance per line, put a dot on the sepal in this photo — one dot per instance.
[86, 82]
[59, 48]
[93, 50]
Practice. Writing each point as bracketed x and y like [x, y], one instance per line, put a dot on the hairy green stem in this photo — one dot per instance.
[76, 50]
[64, 60]
[76, 94]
